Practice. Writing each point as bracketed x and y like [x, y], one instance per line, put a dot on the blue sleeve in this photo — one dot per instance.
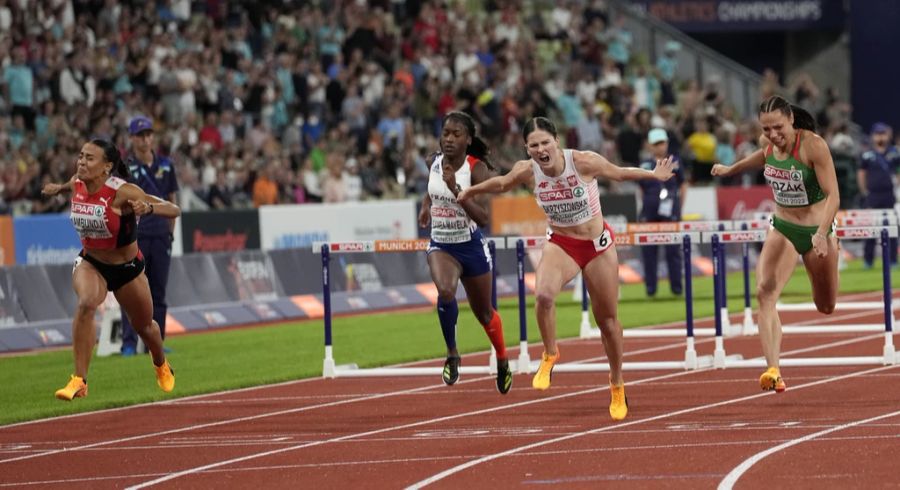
[864, 161]
[171, 184]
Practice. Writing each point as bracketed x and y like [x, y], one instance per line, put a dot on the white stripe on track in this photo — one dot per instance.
[456, 469]
[732, 477]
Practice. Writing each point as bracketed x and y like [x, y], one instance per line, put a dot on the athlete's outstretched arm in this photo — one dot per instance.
[752, 161]
[521, 173]
[143, 203]
[52, 188]
[592, 165]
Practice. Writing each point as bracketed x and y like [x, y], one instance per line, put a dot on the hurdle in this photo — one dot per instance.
[329, 367]
[888, 357]
[665, 233]
[691, 360]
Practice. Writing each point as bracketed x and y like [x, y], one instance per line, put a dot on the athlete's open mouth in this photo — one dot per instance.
[544, 158]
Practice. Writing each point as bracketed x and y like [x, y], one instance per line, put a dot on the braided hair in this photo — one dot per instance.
[802, 118]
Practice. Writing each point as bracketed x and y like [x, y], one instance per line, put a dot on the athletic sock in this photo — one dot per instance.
[494, 330]
[448, 313]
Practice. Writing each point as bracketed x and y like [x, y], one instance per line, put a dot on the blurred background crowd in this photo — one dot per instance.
[292, 102]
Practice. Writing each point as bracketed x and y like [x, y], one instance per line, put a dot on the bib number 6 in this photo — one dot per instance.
[603, 241]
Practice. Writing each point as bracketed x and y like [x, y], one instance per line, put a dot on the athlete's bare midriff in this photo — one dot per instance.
[811, 215]
[115, 256]
[585, 231]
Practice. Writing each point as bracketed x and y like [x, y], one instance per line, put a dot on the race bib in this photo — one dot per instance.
[604, 241]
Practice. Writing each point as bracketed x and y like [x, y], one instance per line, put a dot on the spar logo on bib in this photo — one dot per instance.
[579, 191]
[796, 175]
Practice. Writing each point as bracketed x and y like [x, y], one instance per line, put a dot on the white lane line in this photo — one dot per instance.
[422, 459]
[223, 422]
[456, 469]
[248, 457]
[732, 477]
[412, 391]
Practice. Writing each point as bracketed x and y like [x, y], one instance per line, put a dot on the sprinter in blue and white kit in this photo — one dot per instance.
[458, 251]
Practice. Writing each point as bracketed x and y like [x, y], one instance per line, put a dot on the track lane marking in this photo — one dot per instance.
[735, 474]
[456, 469]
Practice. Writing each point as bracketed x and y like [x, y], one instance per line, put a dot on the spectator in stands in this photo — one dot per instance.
[18, 80]
[265, 188]
[702, 145]
[725, 154]
[333, 187]
[458, 252]
[799, 167]
[155, 175]
[662, 201]
[105, 210]
[877, 172]
[579, 240]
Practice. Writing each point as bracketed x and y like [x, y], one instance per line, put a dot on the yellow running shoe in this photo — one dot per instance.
[618, 405]
[165, 377]
[772, 380]
[76, 388]
[541, 379]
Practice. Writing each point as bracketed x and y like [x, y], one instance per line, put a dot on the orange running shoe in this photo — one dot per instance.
[165, 377]
[76, 388]
[618, 405]
[772, 380]
[544, 373]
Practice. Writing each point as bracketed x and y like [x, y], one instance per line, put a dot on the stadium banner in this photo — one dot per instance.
[700, 204]
[520, 215]
[746, 15]
[298, 226]
[7, 245]
[220, 231]
[45, 239]
[744, 202]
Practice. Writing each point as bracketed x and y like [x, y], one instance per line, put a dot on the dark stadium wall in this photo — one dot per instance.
[875, 72]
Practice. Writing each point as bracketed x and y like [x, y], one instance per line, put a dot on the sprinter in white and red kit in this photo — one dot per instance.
[578, 239]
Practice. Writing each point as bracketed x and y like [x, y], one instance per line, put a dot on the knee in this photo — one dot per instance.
[485, 317]
[543, 300]
[84, 310]
[446, 294]
[607, 326]
[765, 291]
[825, 307]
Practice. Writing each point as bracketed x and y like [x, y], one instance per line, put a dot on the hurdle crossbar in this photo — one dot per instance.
[330, 369]
[628, 238]
[889, 356]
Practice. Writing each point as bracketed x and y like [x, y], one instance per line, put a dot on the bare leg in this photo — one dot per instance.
[136, 301]
[823, 276]
[90, 287]
[602, 280]
[553, 272]
[776, 264]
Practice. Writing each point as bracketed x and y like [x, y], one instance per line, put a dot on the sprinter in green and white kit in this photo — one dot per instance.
[799, 168]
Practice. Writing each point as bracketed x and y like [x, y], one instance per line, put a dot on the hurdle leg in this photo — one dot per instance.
[890, 356]
[524, 361]
[719, 352]
[328, 367]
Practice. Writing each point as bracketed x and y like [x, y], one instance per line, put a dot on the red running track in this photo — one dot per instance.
[832, 428]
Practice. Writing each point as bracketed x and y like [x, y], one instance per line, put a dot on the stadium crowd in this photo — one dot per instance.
[290, 102]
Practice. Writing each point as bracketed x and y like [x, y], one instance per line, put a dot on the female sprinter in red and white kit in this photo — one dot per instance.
[105, 209]
[458, 252]
[578, 239]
